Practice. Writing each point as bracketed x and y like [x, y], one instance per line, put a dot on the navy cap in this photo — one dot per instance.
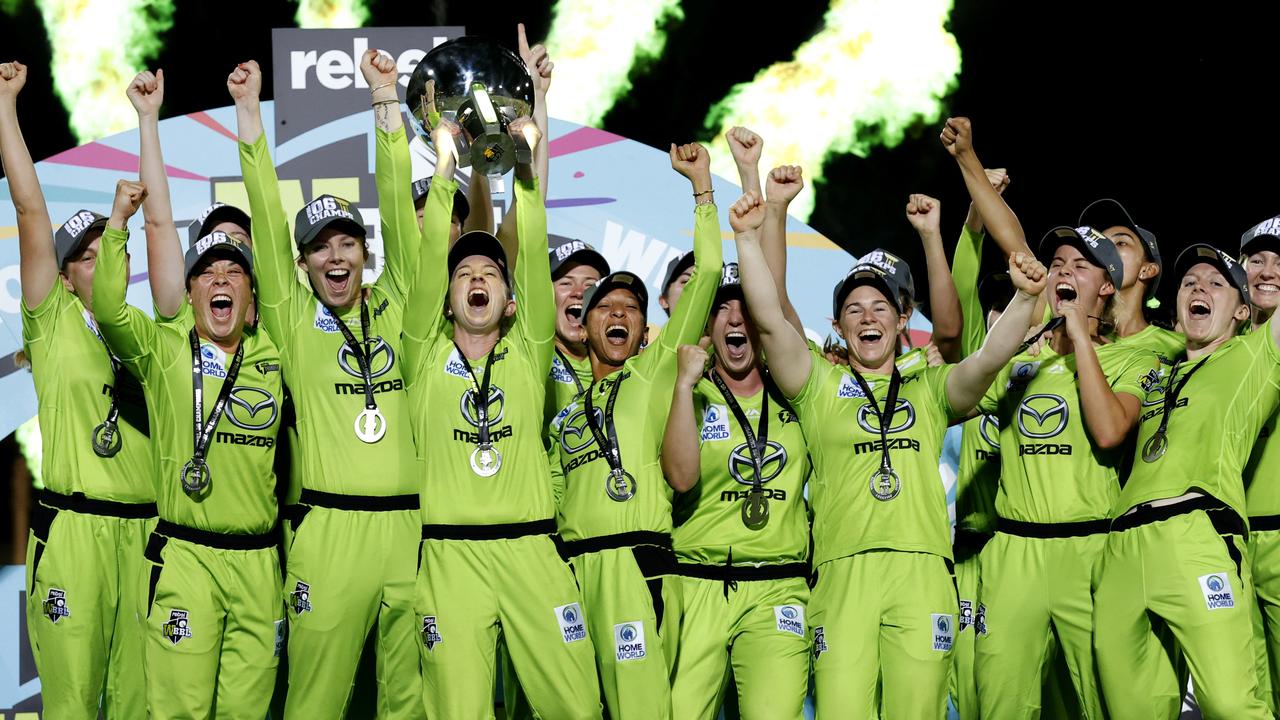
[71, 237]
[1096, 247]
[730, 281]
[326, 211]
[1263, 236]
[211, 216]
[564, 250]
[1105, 213]
[220, 244]
[1230, 268]
[479, 242]
[675, 268]
[461, 207]
[866, 274]
[621, 279]
[892, 265]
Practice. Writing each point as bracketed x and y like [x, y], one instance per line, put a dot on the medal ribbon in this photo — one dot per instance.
[885, 418]
[363, 356]
[757, 439]
[201, 428]
[607, 437]
[482, 393]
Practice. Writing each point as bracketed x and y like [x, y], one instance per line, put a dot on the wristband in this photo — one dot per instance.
[376, 103]
[379, 87]
[704, 192]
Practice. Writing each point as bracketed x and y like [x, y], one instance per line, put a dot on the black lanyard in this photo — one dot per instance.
[885, 418]
[1172, 392]
[758, 439]
[106, 436]
[481, 392]
[606, 437]
[364, 356]
[564, 360]
[203, 429]
[1053, 324]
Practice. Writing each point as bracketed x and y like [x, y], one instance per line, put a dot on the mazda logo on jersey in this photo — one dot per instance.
[381, 359]
[904, 417]
[251, 408]
[497, 406]
[1042, 416]
[575, 433]
[989, 429]
[773, 458]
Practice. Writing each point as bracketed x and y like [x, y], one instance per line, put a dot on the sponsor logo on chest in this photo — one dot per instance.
[715, 423]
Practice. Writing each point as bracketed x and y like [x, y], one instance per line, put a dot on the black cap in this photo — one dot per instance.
[70, 238]
[892, 265]
[461, 207]
[1263, 236]
[674, 269]
[1096, 247]
[730, 282]
[323, 212]
[479, 242]
[1230, 268]
[608, 283]
[1105, 213]
[866, 274]
[564, 250]
[222, 245]
[216, 213]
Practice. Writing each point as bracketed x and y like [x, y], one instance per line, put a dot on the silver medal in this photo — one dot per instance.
[486, 460]
[106, 440]
[620, 485]
[196, 477]
[885, 484]
[370, 425]
[1153, 449]
[755, 510]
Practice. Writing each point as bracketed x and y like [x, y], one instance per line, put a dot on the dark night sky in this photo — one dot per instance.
[1170, 112]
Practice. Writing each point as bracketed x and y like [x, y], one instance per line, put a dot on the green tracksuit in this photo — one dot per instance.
[882, 615]
[487, 559]
[620, 549]
[349, 570]
[84, 552]
[977, 480]
[716, 618]
[1262, 497]
[1056, 490]
[214, 619]
[1185, 570]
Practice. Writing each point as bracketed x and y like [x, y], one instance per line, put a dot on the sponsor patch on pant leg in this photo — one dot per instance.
[966, 614]
[430, 632]
[790, 619]
[55, 605]
[819, 642]
[628, 640]
[1217, 591]
[943, 628]
[300, 598]
[572, 627]
[177, 627]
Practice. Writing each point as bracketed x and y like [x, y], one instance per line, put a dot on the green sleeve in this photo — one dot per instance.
[273, 266]
[535, 321]
[557, 472]
[965, 268]
[689, 317]
[431, 282]
[1135, 369]
[400, 234]
[990, 402]
[129, 333]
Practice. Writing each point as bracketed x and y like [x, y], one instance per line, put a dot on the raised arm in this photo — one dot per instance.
[966, 265]
[925, 213]
[431, 282]
[681, 452]
[1108, 415]
[970, 379]
[536, 307]
[393, 173]
[746, 147]
[784, 183]
[538, 62]
[784, 345]
[129, 333]
[1002, 224]
[689, 316]
[38, 264]
[273, 259]
[164, 248]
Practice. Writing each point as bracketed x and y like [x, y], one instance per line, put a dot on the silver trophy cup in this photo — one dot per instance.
[482, 87]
